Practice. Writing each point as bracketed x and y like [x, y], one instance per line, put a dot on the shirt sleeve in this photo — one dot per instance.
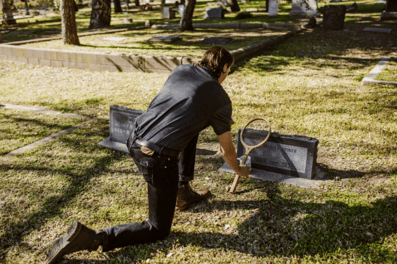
[222, 119]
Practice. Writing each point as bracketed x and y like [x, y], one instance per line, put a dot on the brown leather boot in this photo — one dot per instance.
[186, 197]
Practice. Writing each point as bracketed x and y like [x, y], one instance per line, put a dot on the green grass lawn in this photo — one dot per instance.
[20, 128]
[389, 73]
[309, 85]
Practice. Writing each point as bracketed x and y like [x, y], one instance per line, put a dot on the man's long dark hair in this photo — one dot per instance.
[215, 59]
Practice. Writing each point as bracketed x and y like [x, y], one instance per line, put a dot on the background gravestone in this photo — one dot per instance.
[121, 123]
[165, 39]
[334, 17]
[391, 11]
[181, 9]
[214, 13]
[216, 40]
[288, 155]
[304, 8]
[273, 7]
[166, 10]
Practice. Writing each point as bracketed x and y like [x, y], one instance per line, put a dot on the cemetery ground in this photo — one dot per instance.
[309, 85]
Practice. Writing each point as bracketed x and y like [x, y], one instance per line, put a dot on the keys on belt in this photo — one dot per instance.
[150, 148]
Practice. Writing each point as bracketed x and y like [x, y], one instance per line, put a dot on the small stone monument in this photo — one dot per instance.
[214, 13]
[304, 8]
[166, 10]
[121, 123]
[391, 11]
[334, 17]
[127, 20]
[273, 7]
[148, 24]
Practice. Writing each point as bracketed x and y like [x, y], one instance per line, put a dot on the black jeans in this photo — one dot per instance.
[162, 174]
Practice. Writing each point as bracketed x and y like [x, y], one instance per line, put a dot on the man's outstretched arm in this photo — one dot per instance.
[229, 154]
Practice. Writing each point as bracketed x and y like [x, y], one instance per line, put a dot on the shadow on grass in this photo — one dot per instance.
[287, 227]
[52, 206]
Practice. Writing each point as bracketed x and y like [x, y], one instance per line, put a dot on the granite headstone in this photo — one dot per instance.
[121, 122]
[304, 8]
[334, 17]
[181, 9]
[166, 12]
[273, 7]
[214, 13]
[391, 11]
[289, 155]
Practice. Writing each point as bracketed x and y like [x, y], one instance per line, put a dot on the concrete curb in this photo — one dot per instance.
[118, 62]
[369, 79]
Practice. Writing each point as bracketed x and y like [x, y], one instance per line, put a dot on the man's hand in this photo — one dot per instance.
[244, 171]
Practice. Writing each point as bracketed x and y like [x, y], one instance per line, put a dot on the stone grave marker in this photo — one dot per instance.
[127, 20]
[334, 17]
[165, 39]
[273, 7]
[214, 13]
[166, 10]
[121, 122]
[379, 30]
[302, 8]
[216, 40]
[284, 155]
[114, 39]
[391, 11]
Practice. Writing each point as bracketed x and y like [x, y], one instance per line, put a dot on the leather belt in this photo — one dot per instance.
[160, 150]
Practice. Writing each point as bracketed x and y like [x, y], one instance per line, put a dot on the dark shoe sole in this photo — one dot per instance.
[59, 248]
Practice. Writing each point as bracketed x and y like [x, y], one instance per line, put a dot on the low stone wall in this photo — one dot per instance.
[113, 62]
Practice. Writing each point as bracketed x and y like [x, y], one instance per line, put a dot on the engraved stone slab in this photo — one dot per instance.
[216, 41]
[121, 123]
[302, 8]
[166, 39]
[214, 13]
[273, 7]
[287, 155]
[388, 15]
[376, 29]
[334, 17]
[114, 39]
[391, 6]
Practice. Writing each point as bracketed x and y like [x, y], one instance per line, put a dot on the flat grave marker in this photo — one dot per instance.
[114, 38]
[379, 30]
[217, 40]
[165, 39]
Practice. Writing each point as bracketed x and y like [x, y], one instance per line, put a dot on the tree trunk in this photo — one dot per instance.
[8, 18]
[187, 17]
[137, 2]
[233, 5]
[69, 28]
[100, 14]
[117, 6]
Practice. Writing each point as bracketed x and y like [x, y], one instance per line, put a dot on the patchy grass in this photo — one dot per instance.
[310, 85]
[389, 73]
[20, 128]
